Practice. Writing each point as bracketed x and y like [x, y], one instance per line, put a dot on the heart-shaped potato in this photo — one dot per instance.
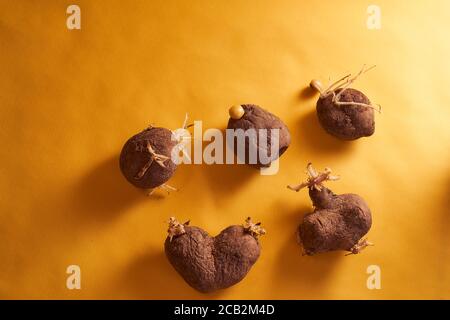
[210, 263]
[338, 222]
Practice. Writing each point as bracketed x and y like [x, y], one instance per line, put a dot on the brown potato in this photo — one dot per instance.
[255, 117]
[211, 263]
[346, 121]
[338, 222]
[344, 112]
[145, 160]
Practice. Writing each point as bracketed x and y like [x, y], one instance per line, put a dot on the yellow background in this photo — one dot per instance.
[70, 99]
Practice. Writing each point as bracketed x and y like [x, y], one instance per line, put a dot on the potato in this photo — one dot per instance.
[145, 158]
[338, 222]
[346, 121]
[344, 112]
[211, 263]
[255, 117]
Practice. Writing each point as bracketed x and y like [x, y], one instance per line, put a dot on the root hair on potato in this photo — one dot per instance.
[341, 86]
[254, 229]
[164, 186]
[158, 158]
[315, 179]
[361, 245]
[183, 137]
[176, 228]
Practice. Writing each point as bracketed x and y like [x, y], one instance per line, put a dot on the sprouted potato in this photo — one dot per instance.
[250, 116]
[211, 263]
[338, 222]
[344, 112]
[145, 159]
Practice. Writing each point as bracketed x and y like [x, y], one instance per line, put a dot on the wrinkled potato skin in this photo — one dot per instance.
[132, 160]
[346, 122]
[337, 223]
[208, 264]
[256, 117]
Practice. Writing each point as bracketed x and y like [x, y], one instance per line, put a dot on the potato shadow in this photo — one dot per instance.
[316, 138]
[103, 192]
[151, 276]
[225, 179]
[222, 179]
[307, 93]
[299, 272]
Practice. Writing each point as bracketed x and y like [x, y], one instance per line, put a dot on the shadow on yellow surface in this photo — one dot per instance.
[317, 139]
[152, 276]
[307, 93]
[103, 192]
[294, 270]
[224, 180]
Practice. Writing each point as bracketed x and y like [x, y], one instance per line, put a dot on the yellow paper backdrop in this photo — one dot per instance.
[70, 98]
